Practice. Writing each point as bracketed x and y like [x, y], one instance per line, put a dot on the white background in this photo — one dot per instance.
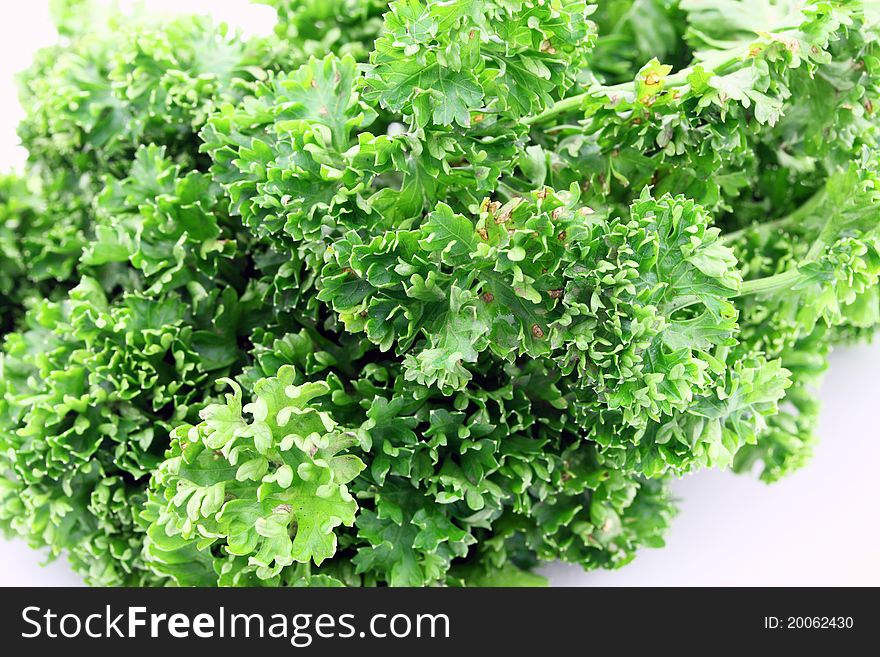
[820, 526]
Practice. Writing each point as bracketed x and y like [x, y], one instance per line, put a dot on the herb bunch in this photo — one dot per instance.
[424, 293]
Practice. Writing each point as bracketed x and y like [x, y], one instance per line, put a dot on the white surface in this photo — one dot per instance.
[818, 527]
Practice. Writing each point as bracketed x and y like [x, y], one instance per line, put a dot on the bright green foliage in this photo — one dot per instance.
[39, 244]
[438, 62]
[428, 292]
[92, 389]
[122, 84]
[312, 28]
[513, 282]
[272, 488]
[19, 213]
[288, 156]
[162, 223]
[130, 267]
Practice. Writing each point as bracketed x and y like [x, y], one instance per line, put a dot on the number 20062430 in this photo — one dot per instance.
[808, 622]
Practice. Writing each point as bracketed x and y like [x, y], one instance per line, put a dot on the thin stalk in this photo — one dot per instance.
[801, 213]
[787, 279]
[673, 81]
[761, 228]
[770, 284]
[574, 102]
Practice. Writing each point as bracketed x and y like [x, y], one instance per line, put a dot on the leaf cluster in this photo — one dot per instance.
[428, 292]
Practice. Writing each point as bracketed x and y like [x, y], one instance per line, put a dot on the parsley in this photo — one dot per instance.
[425, 293]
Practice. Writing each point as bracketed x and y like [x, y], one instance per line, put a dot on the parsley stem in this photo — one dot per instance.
[574, 102]
[802, 213]
[787, 279]
[678, 79]
[769, 284]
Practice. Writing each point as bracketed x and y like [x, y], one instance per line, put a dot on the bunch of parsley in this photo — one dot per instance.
[429, 292]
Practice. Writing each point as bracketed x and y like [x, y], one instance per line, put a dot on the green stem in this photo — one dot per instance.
[787, 279]
[559, 107]
[761, 228]
[802, 213]
[572, 103]
[826, 236]
[770, 284]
